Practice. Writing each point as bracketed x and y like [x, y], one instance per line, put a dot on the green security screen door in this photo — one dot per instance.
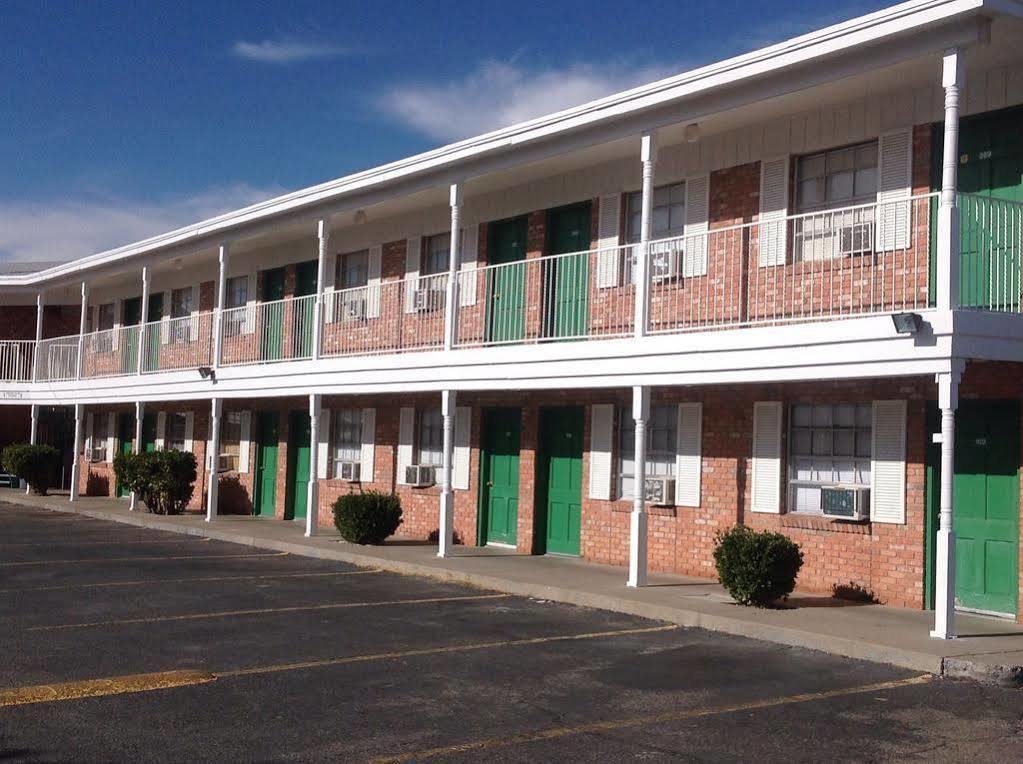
[126, 437]
[566, 279]
[132, 316]
[499, 475]
[271, 346]
[560, 476]
[265, 486]
[299, 472]
[506, 285]
[154, 313]
[302, 333]
[149, 433]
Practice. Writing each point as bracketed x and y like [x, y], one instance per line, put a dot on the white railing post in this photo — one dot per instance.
[81, 331]
[948, 212]
[212, 458]
[218, 312]
[323, 241]
[312, 507]
[76, 461]
[638, 519]
[945, 562]
[451, 290]
[143, 321]
[136, 448]
[648, 156]
[39, 335]
[446, 524]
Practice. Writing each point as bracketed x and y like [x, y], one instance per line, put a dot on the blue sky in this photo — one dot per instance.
[123, 119]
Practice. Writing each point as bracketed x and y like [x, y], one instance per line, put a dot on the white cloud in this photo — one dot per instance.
[68, 229]
[285, 51]
[500, 93]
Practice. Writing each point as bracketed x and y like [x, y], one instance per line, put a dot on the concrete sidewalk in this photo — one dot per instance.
[989, 650]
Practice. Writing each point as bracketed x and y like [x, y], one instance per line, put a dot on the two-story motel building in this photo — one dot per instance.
[780, 290]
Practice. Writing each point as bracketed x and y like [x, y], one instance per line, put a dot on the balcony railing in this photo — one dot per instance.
[855, 261]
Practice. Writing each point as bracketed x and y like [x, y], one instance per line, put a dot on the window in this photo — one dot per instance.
[668, 219]
[236, 296]
[104, 343]
[176, 426]
[429, 437]
[181, 307]
[436, 254]
[230, 440]
[829, 444]
[347, 437]
[100, 433]
[352, 273]
[661, 445]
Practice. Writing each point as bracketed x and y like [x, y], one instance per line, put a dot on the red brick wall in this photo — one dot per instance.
[18, 322]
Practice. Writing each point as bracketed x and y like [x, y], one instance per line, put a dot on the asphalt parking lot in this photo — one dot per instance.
[128, 644]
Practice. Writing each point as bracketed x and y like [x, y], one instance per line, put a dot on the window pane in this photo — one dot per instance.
[840, 186]
[355, 270]
[437, 254]
[842, 159]
[822, 416]
[866, 182]
[802, 416]
[237, 291]
[431, 437]
[845, 442]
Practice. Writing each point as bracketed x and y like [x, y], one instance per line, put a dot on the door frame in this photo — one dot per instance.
[541, 510]
[482, 515]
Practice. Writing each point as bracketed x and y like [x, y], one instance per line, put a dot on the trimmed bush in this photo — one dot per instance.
[756, 567]
[36, 465]
[162, 479]
[367, 518]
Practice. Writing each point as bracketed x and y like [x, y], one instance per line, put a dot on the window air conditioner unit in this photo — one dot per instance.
[350, 471]
[846, 503]
[419, 475]
[97, 454]
[427, 299]
[660, 491]
[355, 309]
[666, 264]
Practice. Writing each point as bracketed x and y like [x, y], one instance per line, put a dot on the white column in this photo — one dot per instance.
[33, 435]
[323, 237]
[144, 329]
[39, 336]
[76, 461]
[948, 211]
[81, 330]
[312, 508]
[136, 446]
[451, 304]
[945, 563]
[446, 524]
[648, 156]
[638, 519]
[218, 313]
[212, 476]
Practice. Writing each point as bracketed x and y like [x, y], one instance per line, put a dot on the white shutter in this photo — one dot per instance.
[406, 427]
[766, 469]
[88, 436]
[697, 223]
[244, 441]
[460, 460]
[369, 440]
[193, 329]
[329, 299]
[111, 444]
[248, 323]
[894, 182]
[165, 319]
[413, 256]
[602, 423]
[116, 334]
[609, 256]
[688, 455]
[774, 202]
[888, 465]
[373, 285]
[161, 430]
[189, 430]
[324, 456]
[468, 273]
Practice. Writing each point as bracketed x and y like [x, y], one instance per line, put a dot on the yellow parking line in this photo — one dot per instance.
[137, 559]
[265, 611]
[152, 581]
[639, 721]
[71, 542]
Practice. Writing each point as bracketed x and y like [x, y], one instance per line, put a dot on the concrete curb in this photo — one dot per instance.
[987, 672]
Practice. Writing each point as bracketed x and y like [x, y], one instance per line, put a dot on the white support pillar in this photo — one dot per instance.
[948, 210]
[212, 476]
[33, 436]
[218, 314]
[323, 238]
[945, 563]
[39, 336]
[82, 323]
[638, 519]
[312, 508]
[136, 446]
[446, 523]
[648, 156]
[76, 461]
[144, 329]
[451, 303]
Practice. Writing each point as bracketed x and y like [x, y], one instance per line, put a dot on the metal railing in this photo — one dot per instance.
[56, 359]
[990, 248]
[111, 352]
[16, 358]
[177, 343]
[267, 332]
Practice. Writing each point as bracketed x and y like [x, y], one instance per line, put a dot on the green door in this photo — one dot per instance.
[272, 331]
[302, 332]
[566, 279]
[149, 433]
[299, 467]
[506, 285]
[265, 488]
[154, 313]
[559, 477]
[499, 476]
[132, 316]
[126, 437]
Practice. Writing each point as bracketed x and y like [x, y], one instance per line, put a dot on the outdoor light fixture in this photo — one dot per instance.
[360, 217]
[692, 132]
[907, 323]
[207, 372]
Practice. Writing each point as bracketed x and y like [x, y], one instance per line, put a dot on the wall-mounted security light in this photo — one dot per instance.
[692, 132]
[907, 323]
[206, 372]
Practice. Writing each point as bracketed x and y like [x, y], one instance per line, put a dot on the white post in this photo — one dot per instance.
[945, 563]
[143, 327]
[446, 524]
[212, 476]
[39, 336]
[218, 313]
[648, 156]
[451, 305]
[136, 447]
[75, 463]
[323, 238]
[33, 435]
[312, 508]
[81, 330]
[948, 211]
[638, 519]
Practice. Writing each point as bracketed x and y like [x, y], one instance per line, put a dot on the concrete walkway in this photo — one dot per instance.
[988, 650]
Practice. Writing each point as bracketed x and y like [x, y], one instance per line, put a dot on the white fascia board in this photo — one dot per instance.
[863, 32]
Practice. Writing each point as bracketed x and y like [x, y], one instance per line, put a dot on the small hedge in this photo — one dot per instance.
[36, 465]
[162, 479]
[367, 518]
[756, 567]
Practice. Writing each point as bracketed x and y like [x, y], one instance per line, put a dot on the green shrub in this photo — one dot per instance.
[756, 567]
[36, 465]
[163, 480]
[367, 518]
